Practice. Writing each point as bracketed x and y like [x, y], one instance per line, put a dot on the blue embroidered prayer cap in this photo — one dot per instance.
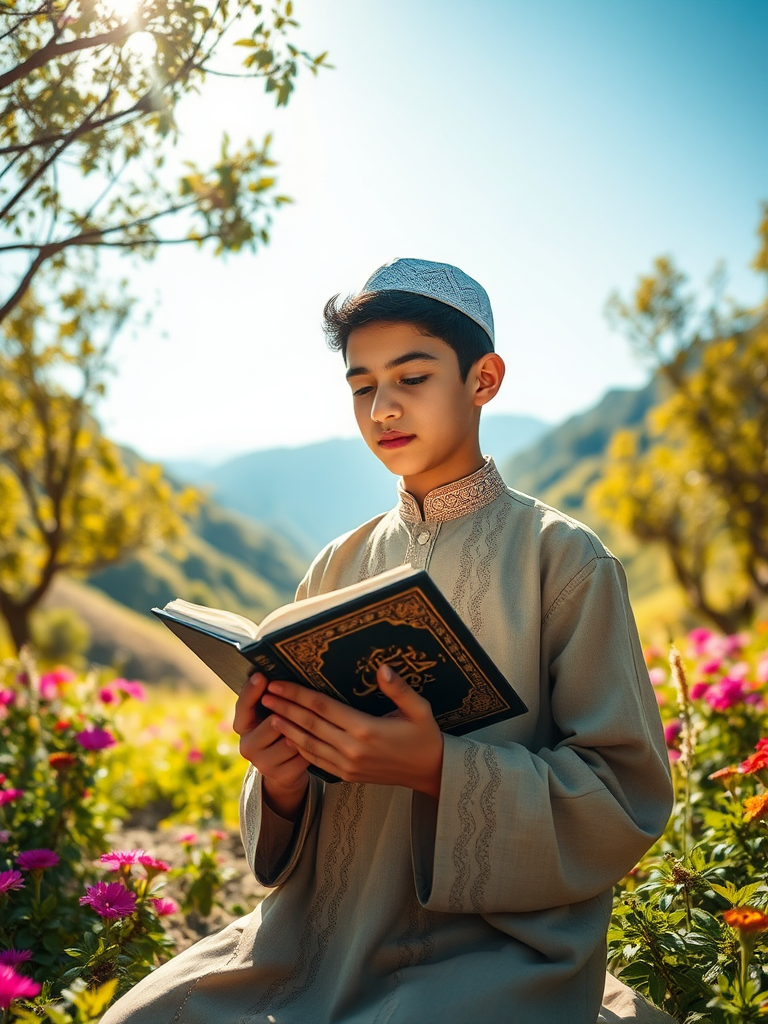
[439, 281]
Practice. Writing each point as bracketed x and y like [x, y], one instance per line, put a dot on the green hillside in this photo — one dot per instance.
[560, 468]
[226, 560]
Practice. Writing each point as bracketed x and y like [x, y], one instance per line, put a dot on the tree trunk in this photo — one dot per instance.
[17, 620]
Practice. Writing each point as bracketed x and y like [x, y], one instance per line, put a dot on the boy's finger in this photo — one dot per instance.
[408, 702]
[245, 716]
[331, 710]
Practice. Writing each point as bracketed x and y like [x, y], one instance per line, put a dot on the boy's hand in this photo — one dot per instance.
[401, 749]
[283, 769]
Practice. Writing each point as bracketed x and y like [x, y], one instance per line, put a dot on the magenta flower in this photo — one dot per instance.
[725, 694]
[153, 864]
[195, 755]
[164, 907]
[710, 667]
[188, 839]
[130, 688]
[116, 859]
[37, 860]
[109, 899]
[7, 796]
[107, 696]
[15, 956]
[95, 739]
[10, 880]
[698, 690]
[7, 697]
[216, 833]
[15, 986]
[672, 731]
[5, 835]
[657, 676]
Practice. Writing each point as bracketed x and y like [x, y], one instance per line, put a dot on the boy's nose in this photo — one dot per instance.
[385, 406]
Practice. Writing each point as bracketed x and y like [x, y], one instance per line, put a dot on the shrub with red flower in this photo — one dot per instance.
[116, 859]
[7, 796]
[164, 907]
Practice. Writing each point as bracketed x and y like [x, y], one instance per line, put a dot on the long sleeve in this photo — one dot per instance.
[520, 830]
[272, 844]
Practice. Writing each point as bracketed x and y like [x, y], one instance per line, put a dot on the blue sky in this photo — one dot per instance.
[550, 149]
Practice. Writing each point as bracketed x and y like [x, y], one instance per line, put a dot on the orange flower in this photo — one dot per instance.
[725, 775]
[746, 919]
[756, 808]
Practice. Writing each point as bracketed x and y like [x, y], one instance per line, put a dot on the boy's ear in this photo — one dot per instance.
[487, 374]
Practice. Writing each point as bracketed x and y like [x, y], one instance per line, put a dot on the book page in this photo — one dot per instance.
[228, 624]
[299, 610]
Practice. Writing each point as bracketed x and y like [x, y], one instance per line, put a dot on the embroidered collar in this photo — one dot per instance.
[454, 500]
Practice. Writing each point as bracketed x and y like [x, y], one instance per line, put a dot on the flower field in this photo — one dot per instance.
[118, 816]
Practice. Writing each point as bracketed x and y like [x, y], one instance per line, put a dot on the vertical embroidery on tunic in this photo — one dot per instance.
[484, 566]
[468, 826]
[466, 561]
[324, 893]
[370, 565]
[483, 841]
[419, 929]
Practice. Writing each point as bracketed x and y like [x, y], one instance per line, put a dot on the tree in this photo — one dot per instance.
[88, 118]
[695, 479]
[69, 500]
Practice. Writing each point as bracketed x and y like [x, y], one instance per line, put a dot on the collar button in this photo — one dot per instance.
[422, 536]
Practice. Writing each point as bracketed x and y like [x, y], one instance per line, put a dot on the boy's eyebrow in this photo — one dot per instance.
[409, 357]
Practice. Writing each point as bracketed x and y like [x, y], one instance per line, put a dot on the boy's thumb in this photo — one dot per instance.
[404, 696]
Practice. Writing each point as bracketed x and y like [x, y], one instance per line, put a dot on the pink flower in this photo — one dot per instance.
[725, 694]
[130, 688]
[15, 986]
[10, 880]
[710, 667]
[15, 956]
[116, 859]
[195, 755]
[7, 796]
[216, 833]
[37, 860]
[107, 696]
[674, 755]
[5, 835]
[657, 676]
[698, 690]
[163, 907]
[739, 671]
[51, 682]
[109, 899]
[152, 864]
[698, 639]
[7, 697]
[189, 838]
[95, 739]
[672, 731]
[762, 668]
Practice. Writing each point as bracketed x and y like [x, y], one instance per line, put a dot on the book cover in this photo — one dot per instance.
[408, 625]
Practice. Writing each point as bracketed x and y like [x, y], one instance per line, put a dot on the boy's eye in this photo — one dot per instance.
[362, 391]
[414, 380]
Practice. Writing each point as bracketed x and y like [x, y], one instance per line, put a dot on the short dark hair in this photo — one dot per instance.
[467, 339]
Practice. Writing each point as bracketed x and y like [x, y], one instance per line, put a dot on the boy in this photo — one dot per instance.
[449, 880]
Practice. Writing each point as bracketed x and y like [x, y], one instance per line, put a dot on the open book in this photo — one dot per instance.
[335, 643]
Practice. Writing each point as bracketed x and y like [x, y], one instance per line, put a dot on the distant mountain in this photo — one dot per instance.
[313, 493]
[226, 561]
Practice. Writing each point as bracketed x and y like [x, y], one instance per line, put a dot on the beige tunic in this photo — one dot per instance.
[492, 903]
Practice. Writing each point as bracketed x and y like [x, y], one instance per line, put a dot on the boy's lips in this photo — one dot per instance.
[395, 439]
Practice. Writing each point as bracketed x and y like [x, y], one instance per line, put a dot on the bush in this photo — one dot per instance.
[81, 923]
[690, 923]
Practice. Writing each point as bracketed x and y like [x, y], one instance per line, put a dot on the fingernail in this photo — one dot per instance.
[275, 688]
[276, 722]
[386, 673]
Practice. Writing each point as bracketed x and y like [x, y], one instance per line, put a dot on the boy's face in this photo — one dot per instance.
[413, 409]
